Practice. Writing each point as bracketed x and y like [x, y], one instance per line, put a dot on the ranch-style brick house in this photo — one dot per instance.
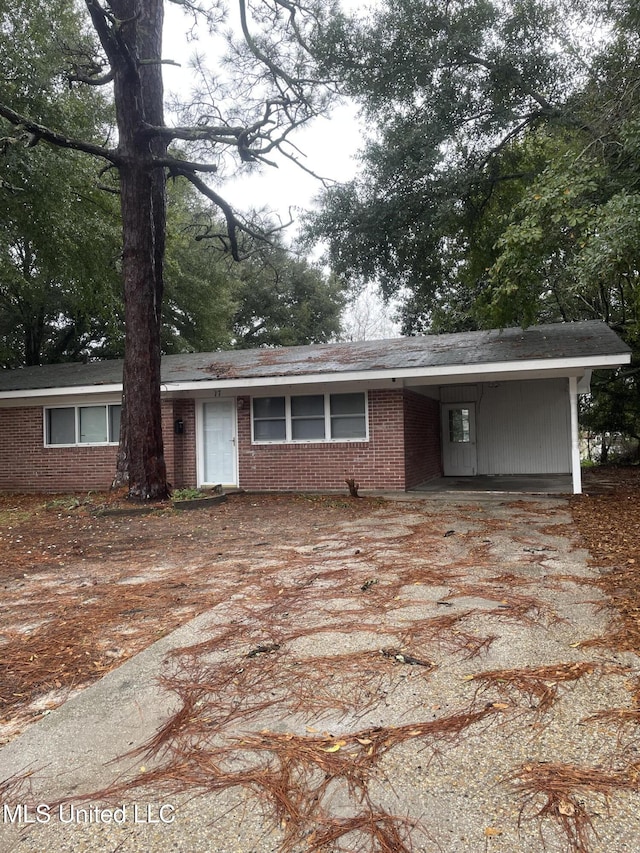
[392, 414]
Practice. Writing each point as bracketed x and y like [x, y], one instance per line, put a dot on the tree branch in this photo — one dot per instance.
[177, 166]
[517, 79]
[39, 131]
[108, 29]
[234, 223]
[276, 70]
[78, 77]
[102, 23]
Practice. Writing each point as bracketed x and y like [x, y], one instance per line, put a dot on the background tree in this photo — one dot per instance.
[501, 184]
[285, 301]
[269, 92]
[58, 233]
[269, 298]
[445, 88]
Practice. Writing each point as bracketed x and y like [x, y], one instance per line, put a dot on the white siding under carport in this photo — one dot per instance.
[523, 426]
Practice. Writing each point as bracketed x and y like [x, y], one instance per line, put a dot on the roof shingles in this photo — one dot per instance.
[588, 340]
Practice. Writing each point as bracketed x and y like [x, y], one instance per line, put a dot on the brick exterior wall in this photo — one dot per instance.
[180, 450]
[36, 468]
[422, 453]
[403, 450]
[26, 465]
[375, 464]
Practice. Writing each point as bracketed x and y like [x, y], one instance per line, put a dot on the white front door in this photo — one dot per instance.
[459, 458]
[218, 443]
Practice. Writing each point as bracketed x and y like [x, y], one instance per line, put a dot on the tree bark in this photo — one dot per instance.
[139, 100]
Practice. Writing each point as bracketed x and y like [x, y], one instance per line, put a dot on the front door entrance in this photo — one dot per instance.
[459, 457]
[218, 443]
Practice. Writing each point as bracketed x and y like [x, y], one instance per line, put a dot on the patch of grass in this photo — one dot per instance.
[188, 494]
[13, 516]
[67, 503]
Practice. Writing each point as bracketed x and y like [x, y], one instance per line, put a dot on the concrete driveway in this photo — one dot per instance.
[415, 678]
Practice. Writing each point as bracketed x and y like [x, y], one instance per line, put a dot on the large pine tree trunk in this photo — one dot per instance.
[139, 100]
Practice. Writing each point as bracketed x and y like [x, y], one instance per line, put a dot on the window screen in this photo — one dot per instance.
[61, 426]
[307, 417]
[348, 416]
[114, 423]
[93, 424]
[269, 419]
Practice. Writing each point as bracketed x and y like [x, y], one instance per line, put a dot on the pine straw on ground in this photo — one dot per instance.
[128, 603]
[556, 790]
[609, 524]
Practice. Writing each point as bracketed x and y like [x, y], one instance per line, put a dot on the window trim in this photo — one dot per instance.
[327, 420]
[76, 422]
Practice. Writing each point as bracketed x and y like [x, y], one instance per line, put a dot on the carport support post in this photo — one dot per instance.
[575, 436]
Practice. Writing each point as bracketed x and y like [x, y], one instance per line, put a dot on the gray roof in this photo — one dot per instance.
[591, 340]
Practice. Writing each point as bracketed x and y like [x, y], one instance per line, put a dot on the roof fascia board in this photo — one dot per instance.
[72, 391]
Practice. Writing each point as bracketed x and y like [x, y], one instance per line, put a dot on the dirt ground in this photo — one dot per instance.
[88, 581]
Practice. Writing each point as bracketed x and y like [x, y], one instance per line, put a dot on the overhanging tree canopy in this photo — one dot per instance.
[449, 90]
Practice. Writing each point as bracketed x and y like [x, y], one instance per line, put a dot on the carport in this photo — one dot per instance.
[532, 484]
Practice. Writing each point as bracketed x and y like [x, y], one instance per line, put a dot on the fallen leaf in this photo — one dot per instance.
[491, 832]
[566, 807]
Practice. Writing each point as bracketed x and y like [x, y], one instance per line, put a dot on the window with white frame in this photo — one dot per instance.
[69, 425]
[310, 417]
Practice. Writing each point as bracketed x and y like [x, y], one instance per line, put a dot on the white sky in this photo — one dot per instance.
[327, 146]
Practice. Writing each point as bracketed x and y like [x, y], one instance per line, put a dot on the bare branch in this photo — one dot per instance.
[221, 133]
[190, 6]
[177, 166]
[102, 23]
[108, 30]
[87, 68]
[232, 220]
[39, 131]
[159, 62]
[235, 225]
[79, 77]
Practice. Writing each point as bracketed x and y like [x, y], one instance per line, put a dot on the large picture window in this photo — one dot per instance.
[310, 417]
[82, 425]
